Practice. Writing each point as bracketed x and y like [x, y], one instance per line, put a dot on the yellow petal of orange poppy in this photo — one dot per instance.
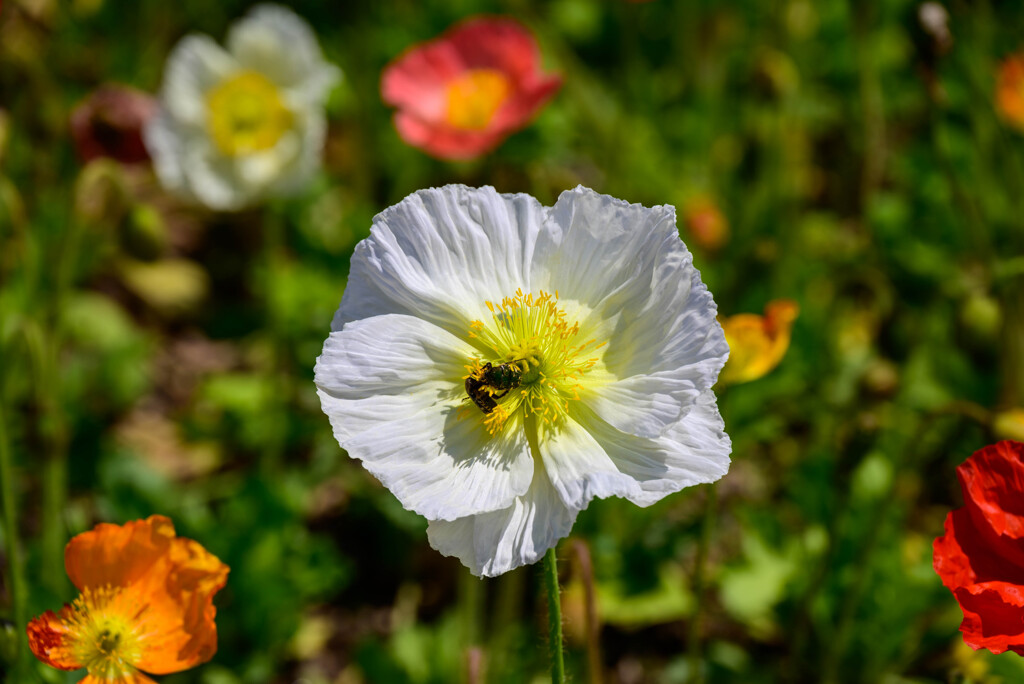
[131, 678]
[757, 343]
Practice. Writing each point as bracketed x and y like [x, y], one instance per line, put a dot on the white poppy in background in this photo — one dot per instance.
[497, 364]
[238, 125]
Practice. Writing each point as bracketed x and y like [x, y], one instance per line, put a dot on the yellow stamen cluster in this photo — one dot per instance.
[103, 633]
[246, 114]
[533, 333]
[475, 97]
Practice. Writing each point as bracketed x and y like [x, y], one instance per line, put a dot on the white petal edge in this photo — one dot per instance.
[440, 254]
[627, 264]
[162, 143]
[693, 451]
[195, 65]
[491, 544]
[392, 388]
[276, 42]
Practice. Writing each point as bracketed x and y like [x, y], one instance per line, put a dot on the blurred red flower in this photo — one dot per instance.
[109, 123]
[460, 95]
[980, 558]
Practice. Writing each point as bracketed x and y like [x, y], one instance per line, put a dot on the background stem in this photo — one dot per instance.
[693, 640]
[554, 618]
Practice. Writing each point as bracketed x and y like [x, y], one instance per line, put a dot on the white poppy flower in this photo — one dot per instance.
[241, 124]
[602, 344]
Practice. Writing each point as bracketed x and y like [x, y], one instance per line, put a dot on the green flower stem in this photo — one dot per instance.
[554, 618]
[14, 567]
[693, 638]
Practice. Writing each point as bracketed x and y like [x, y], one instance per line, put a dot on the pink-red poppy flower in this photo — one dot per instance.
[460, 95]
[109, 123]
[146, 605]
[980, 558]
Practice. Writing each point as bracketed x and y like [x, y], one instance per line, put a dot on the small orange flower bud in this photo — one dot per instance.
[1010, 90]
[706, 223]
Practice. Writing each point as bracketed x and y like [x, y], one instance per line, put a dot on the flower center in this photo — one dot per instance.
[246, 114]
[103, 634]
[474, 97]
[539, 360]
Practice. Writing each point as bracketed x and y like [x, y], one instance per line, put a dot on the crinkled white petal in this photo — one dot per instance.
[162, 143]
[693, 451]
[392, 388]
[627, 264]
[277, 43]
[260, 170]
[440, 254]
[304, 153]
[212, 178]
[493, 543]
[196, 65]
[580, 469]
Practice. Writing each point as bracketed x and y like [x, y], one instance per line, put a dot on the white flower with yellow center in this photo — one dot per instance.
[241, 124]
[497, 364]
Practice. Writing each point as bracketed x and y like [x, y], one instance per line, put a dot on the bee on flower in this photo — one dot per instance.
[241, 124]
[758, 343]
[146, 605]
[460, 95]
[498, 364]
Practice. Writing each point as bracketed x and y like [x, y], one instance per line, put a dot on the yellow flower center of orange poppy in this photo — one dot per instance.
[474, 98]
[540, 360]
[102, 629]
[246, 114]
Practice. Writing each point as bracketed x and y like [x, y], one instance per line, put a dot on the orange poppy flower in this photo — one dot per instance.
[460, 95]
[1010, 90]
[146, 604]
[757, 343]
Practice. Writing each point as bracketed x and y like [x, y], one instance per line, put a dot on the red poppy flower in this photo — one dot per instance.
[980, 558]
[109, 123]
[460, 95]
[146, 605]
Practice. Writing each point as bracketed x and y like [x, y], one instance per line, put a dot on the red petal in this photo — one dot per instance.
[993, 616]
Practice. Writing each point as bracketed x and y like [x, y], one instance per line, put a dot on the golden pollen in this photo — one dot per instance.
[103, 631]
[246, 114]
[555, 359]
[474, 98]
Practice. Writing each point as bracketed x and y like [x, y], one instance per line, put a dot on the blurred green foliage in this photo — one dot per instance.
[158, 359]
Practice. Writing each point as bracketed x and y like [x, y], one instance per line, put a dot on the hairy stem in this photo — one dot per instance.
[554, 618]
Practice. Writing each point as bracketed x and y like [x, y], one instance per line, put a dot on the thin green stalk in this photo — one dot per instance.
[14, 566]
[693, 638]
[554, 618]
[277, 399]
